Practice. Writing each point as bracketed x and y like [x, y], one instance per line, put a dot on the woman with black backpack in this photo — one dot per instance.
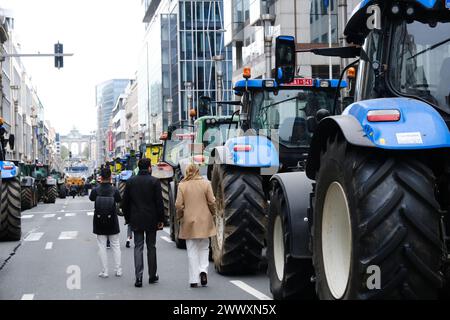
[106, 221]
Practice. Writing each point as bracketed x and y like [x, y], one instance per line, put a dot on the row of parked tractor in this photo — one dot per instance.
[342, 196]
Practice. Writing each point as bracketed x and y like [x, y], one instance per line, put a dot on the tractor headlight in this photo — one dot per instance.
[324, 83]
[269, 83]
[395, 9]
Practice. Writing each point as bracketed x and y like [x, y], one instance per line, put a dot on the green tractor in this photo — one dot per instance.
[29, 193]
[46, 184]
[60, 183]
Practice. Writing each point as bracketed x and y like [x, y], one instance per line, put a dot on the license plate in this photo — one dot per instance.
[301, 82]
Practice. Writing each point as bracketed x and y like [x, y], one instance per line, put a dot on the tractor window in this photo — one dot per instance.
[420, 61]
[283, 116]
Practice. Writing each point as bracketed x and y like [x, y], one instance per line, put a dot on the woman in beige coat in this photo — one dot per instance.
[195, 206]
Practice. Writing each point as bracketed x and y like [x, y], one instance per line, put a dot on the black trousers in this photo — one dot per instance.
[150, 240]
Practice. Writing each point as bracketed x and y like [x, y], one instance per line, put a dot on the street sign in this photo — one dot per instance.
[447, 4]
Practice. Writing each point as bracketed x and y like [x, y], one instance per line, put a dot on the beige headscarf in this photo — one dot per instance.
[192, 172]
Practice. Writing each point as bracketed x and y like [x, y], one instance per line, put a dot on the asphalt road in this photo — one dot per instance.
[57, 260]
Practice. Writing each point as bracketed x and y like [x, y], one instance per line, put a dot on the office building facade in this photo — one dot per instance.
[107, 94]
[182, 37]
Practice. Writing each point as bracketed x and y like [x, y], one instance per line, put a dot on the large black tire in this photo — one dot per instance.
[51, 195]
[394, 222]
[240, 219]
[122, 185]
[62, 192]
[180, 243]
[165, 194]
[27, 201]
[10, 219]
[290, 278]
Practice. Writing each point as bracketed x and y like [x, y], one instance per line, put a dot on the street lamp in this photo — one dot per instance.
[218, 63]
[154, 115]
[268, 21]
[169, 104]
[188, 88]
[15, 96]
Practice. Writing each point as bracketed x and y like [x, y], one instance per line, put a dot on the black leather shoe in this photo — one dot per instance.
[127, 244]
[203, 278]
[138, 283]
[194, 285]
[153, 279]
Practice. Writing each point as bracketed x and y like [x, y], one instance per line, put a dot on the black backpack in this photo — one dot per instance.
[105, 211]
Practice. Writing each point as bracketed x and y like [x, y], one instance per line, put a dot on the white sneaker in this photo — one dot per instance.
[103, 274]
[119, 273]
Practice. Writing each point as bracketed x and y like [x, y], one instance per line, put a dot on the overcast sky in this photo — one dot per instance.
[105, 36]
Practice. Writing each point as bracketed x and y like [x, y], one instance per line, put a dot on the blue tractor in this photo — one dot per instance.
[129, 164]
[378, 172]
[272, 135]
[10, 216]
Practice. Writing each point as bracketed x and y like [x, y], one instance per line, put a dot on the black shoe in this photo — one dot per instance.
[108, 245]
[153, 279]
[194, 285]
[127, 244]
[203, 278]
[138, 283]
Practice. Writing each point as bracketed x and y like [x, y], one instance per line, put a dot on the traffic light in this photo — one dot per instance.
[59, 62]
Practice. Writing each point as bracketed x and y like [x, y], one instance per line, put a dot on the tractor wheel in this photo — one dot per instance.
[27, 201]
[290, 278]
[376, 226]
[62, 192]
[180, 243]
[240, 219]
[10, 221]
[122, 185]
[52, 192]
[165, 195]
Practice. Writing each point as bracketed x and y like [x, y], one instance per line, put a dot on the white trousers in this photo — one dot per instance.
[198, 257]
[115, 247]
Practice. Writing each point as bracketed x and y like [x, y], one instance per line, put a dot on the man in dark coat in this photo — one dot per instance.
[110, 230]
[143, 209]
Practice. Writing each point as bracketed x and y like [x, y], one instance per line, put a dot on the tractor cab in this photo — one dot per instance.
[286, 112]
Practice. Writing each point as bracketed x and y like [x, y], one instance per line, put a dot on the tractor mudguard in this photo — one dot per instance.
[297, 189]
[26, 181]
[420, 127]
[247, 151]
[8, 170]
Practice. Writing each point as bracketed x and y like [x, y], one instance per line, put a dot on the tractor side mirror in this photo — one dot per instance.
[284, 59]
[321, 114]
[11, 141]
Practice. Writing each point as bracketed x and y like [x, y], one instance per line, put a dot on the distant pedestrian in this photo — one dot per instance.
[143, 209]
[195, 206]
[106, 222]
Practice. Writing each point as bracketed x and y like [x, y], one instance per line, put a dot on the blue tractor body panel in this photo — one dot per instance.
[125, 175]
[420, 125]
[260, 84]
[8, 170]
[261, 153]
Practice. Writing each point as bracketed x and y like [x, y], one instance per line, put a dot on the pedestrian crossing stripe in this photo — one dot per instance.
[34, 236]
[70, 214]
[27, 216]
[90, 213]
[68, 235]
[49, 215]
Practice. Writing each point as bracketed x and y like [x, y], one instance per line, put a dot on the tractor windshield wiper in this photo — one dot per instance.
[434, 46]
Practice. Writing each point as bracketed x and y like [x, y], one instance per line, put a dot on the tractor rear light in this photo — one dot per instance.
[242, 147]
[8, 167]
[383, 115]
[199, 158]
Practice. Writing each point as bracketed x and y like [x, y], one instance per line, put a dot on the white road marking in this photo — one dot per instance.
[68, 235]
[49, 215]
[166, 230]
[59, 218]
[251, 290]
[49, 246]
[70, 214]
[27, 216]
[44, 212]
[166, 239]
[34, 236]
[28, 296]
[90, 213]
[62, 211]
